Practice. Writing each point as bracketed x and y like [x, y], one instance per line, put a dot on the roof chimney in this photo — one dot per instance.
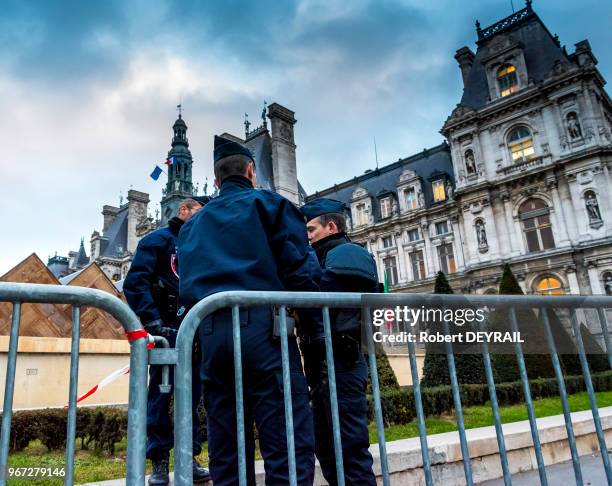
[465, 58]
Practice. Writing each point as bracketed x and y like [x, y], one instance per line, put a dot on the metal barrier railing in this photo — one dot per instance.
[325, 301]
[19, 293]
[181, 357]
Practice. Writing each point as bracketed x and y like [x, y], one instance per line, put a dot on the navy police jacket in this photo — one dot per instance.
[151, 285]
[245, 239]
[347, 267]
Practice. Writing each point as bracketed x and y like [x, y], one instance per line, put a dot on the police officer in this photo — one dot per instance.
[347, 267]
[151, 290]
[247, 239]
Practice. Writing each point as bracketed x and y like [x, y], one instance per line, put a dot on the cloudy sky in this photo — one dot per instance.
[88, 91]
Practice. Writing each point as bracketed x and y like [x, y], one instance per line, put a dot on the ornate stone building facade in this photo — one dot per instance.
[523, 177]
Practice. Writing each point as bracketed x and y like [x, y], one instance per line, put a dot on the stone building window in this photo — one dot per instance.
[387, 241]
[549, 286]
[413, 234]
[361, 217]
[535, 218]
[390, 270]
[520, 143]
[447, 258]
[439, 192]
[412, 201]
[418, 264]
[441, 228]
[385, 207]
[507, 80]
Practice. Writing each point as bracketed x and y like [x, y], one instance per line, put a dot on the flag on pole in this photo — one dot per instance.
[156, 172]
[170, 161]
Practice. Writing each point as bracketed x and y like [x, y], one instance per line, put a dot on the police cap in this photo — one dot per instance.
[225, 148]
[316, 208]
[203, 200]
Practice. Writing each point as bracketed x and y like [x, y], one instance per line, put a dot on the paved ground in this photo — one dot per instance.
[593, 474]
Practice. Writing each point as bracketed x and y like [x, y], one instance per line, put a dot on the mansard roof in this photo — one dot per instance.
[540, 48]
[260, 146]
[428, 165]
[114, 239]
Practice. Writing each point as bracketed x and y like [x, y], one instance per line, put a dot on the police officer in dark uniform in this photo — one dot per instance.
[347, 267]
[151, 290]
[248, 239]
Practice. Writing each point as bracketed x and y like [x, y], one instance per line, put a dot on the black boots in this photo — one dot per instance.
[160, 475]
[200, 474]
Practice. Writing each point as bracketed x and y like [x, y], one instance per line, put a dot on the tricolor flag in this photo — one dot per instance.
[156, 173]
[170, 161]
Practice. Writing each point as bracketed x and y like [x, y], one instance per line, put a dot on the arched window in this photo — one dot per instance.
[549, 286]
[535, 218]
[507, 80]
[520, 143]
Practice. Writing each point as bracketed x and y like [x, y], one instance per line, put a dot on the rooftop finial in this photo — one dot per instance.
[247, 125]
[179, 107]
[263, 114]
[528, 4]
[478, 29]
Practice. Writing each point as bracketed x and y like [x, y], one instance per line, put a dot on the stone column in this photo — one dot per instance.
[430, 263]
[457, 242]
[559, 226]
[570, 271]
[515, 247]
[402, 270]
[596, 287]
[577, 205]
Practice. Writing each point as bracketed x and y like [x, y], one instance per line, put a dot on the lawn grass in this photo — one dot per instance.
[91, 466]
[482, 416]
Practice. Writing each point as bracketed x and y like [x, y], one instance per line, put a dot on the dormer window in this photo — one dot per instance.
[520, 143]
[361, 214]
[439, 193]
[412, 202]
[507, 80]
[385, 207]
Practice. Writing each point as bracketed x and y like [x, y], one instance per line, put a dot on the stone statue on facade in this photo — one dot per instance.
[573, 126]
[421, 198]
[481, 234]
[449, 190]
[608, 284]
[592, 206]
[470, 163]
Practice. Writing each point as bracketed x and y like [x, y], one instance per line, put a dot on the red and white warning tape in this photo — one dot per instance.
[131, 336]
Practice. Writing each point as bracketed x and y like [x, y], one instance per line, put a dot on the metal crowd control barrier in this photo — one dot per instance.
[181, 357]
[325, 301]
[19, 293]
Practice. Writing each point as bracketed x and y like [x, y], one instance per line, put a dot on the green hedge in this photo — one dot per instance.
[101, 427]
[398, 405]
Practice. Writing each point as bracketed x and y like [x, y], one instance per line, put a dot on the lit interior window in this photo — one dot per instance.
[550, 286]
[439, 193]
[520, 143]
[508, 82]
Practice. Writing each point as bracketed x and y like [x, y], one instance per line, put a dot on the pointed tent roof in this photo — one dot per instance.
[81, 259]
[36, 319]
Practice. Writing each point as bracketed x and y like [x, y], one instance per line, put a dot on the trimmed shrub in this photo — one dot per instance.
[469, 367]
